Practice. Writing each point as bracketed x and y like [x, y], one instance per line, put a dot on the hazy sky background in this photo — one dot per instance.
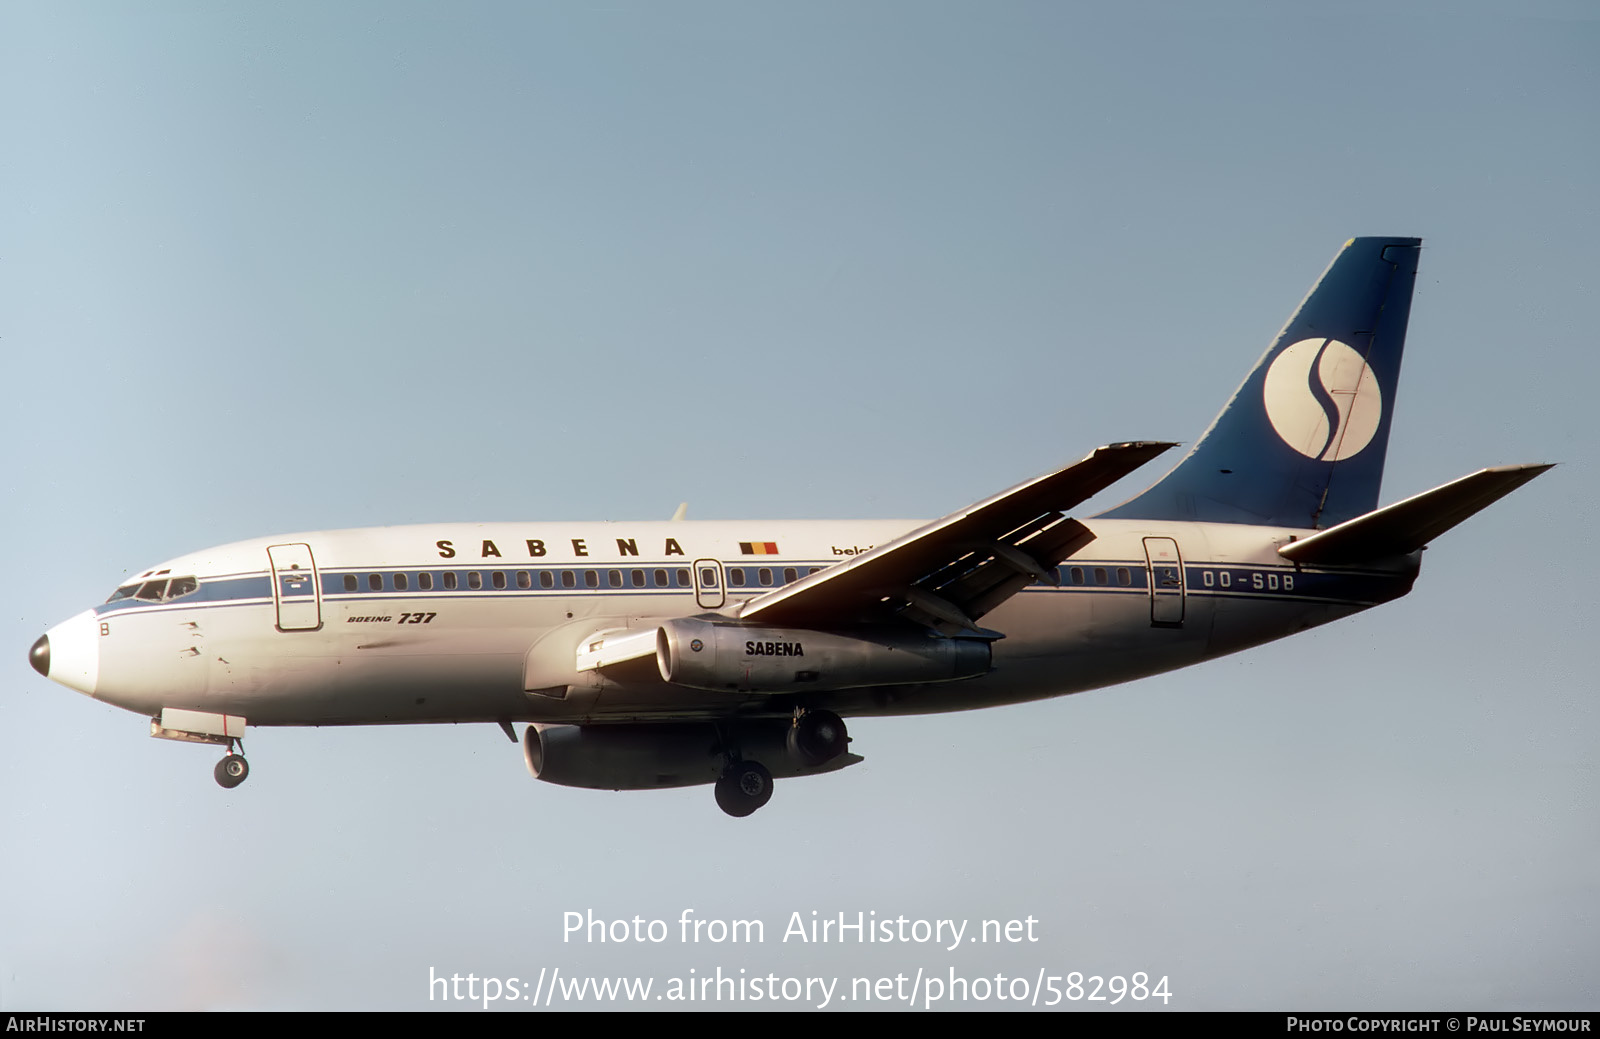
[281, 267]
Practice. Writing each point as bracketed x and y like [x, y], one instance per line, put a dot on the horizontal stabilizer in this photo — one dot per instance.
[1406, 526]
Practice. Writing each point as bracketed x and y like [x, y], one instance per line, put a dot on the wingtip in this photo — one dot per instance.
[1533, 469]
[1157, 446]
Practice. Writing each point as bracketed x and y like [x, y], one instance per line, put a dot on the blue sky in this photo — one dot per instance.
[268, 268]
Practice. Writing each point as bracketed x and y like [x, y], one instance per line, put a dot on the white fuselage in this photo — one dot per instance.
[444, 622]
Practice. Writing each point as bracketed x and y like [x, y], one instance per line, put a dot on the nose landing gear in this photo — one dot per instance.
[221, 730]
[233, 769]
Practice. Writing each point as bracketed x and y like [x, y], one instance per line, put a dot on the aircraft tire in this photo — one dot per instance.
[231, 771]
[743, 788]
[817, 737]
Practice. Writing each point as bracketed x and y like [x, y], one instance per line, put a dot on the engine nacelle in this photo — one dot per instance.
[722, 657]
[654, 756]
[623, 757]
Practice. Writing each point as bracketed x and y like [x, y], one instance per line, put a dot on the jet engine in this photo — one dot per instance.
[623, 757]
[653, 756]
[721, 657]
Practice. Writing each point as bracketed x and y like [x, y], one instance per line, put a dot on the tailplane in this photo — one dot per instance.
[1302, 442]
[1405, 527]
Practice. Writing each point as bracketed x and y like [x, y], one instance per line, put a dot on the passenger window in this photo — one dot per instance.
[474, 579]
[568, 580]
[708, 577]
[450, 580]
[547, 579]
[638, 578]
[614, 578]
[350, 583]
[1124, 578]
[661, 579]
[499, 579]
[524, 579]
[683, 578]
[790, 574]
[425, 582]
[813, 570]
[591, 579]
[765, 576]
[401, 582]
[375, 582]
[1099, 575]
[735, 576]
[1077, 575]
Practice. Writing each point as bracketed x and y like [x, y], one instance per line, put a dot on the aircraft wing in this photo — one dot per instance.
[954, 570]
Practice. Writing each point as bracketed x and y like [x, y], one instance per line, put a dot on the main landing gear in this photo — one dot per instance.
[814, 738]
[744, 787]
[817, 737]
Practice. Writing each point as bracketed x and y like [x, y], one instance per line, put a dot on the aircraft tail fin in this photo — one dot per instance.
[1406, 526]
[1302, 441]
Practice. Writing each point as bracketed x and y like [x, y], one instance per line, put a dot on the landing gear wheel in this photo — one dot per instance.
[231, 771]
[744, 787]
[817, 737]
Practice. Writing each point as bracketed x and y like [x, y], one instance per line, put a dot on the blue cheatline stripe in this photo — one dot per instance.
[1234, 580]
[333, 581]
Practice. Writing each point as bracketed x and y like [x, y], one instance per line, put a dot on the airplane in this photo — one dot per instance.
[677, 653]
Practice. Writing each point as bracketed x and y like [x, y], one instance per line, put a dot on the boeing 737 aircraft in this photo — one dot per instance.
[648, 655]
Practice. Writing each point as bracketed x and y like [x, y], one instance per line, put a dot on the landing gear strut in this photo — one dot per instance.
[233, 769]
[744, 787]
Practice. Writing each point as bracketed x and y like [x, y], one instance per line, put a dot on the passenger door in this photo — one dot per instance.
[295, 590]
[1164, 567]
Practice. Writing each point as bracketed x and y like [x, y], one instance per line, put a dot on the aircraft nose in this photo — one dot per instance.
[69, 653]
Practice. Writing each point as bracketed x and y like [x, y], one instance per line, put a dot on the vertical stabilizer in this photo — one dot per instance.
[1302, 442]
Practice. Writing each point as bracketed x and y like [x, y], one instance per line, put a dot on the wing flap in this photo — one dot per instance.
[949, 573]
[1408, 525]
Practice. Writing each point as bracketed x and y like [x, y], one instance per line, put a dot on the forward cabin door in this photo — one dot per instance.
[1164, 567]
[295, 589]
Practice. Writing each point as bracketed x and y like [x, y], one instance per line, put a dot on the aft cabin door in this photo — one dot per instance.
[1165, 571]
[294, 588]
[708, 590]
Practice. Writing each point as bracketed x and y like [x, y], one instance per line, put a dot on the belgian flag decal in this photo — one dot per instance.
[758, 548]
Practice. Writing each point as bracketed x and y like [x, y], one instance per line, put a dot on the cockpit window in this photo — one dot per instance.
[164, 590]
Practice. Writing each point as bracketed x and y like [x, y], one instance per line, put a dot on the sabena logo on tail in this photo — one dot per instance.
[1318, 402]
[1322, 399]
